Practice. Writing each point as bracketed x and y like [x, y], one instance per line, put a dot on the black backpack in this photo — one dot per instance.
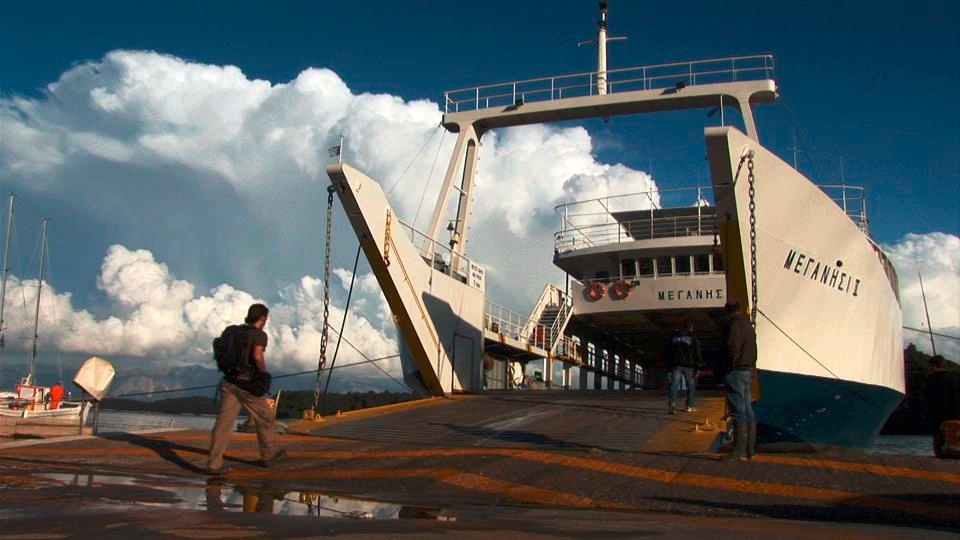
[231, 350]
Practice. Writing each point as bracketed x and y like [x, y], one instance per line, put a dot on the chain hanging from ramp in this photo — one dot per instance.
[322, 362]
[753, 239]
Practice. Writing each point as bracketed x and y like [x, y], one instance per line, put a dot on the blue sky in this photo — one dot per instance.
[874, 88]
[203, 210]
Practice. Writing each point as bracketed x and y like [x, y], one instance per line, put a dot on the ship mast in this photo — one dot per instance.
[929, 328]
[602, 51]
[602, 39]
[36, 318]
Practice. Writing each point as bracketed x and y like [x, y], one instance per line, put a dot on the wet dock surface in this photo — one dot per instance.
[536, 464]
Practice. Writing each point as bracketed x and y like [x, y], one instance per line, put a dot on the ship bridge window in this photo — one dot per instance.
[664, 266]
[701, 263]
[645, 267]
[717, 262]
[682, 263]
[601, 275]
[628, 267]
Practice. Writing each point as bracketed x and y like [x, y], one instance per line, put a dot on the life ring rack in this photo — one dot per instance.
[622, 289]
[596, 291]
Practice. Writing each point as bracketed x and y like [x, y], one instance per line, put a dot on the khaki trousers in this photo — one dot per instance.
[232, 398]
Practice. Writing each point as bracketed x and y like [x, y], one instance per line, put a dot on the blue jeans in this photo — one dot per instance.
[737, 385]
[687, 374]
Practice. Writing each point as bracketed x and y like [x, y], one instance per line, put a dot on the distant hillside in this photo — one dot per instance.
[292, 404]
[151, 383]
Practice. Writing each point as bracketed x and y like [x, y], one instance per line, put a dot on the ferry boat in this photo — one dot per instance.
[822, 295]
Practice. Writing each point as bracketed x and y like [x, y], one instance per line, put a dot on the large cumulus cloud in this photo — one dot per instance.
[934, 259]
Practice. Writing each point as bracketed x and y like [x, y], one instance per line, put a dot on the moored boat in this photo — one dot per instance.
[33, 409]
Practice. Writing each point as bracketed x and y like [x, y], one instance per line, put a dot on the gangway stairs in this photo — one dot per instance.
[512, 339]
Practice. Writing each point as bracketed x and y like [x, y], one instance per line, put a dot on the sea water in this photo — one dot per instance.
[112, 420]
[127, 421]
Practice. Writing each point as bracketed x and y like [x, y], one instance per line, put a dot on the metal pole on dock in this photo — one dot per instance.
[927, 313]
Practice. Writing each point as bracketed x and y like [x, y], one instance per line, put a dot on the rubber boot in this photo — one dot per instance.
[751, 440]
[739, 445]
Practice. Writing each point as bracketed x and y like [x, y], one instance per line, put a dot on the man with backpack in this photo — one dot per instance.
[684, 360]
[239, 354]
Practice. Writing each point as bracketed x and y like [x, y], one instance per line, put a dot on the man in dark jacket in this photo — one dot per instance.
[741, 345]
[234, 394]
[684, 361]
[942, 398]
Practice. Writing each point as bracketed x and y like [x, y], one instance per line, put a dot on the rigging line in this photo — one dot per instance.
[786, 335]
[938, 334]
[372, 362]
[801, 138]
[343, 323]
[423, 194]
[414, 159]
[52, 306]
[284, 376]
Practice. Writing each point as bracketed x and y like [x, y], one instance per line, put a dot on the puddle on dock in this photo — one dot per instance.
[219, 495]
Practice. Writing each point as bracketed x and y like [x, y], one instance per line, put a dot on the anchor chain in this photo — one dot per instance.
[753, 239]
[322, 363]
[386, 238]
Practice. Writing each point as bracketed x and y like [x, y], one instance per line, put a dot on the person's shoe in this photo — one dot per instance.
[277, 456]
[739, 452]
[691, 409]
[672, 409]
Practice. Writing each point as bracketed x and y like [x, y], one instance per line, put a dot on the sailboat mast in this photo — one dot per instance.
[6, 268]
[36, 317]
[929, 328]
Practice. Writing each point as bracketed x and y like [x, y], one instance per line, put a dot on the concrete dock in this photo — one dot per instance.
[532, 465]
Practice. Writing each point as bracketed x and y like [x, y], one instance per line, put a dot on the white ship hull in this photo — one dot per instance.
[830, 349]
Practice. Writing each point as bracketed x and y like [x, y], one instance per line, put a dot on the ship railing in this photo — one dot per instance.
[603, 221]
[503, 320]
[852, 200]
[437, 254]
[660, 76]
[568, 349]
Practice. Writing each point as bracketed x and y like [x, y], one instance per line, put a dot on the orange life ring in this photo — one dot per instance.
[596, 290]
[622, 289]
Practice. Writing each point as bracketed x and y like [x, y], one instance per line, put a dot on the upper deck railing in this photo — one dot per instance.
[438, 254]
[852, 200]
[718, 70]
[592, 223]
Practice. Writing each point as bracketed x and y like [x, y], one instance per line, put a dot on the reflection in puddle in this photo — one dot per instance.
[217, 495]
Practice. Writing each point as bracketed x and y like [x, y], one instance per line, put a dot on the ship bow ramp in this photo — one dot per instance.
[435, 294]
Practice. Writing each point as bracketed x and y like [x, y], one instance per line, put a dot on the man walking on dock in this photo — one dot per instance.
[236, 392]
[741, 345]
[684, 360]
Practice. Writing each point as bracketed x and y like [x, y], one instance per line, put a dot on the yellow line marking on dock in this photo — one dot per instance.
[528, 493]
[871, 468]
